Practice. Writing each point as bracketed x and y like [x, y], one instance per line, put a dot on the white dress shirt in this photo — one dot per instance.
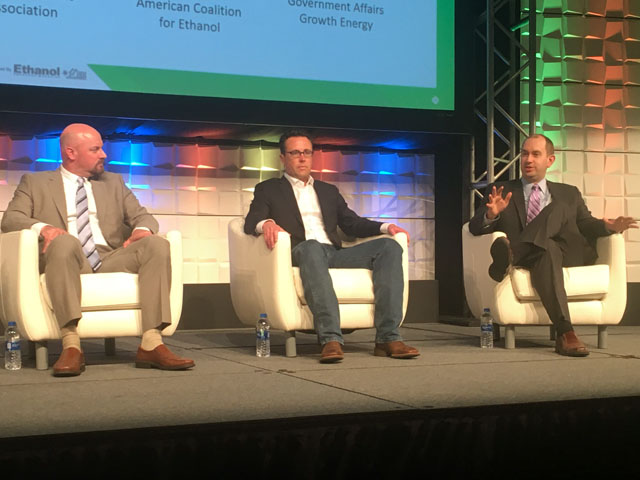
[309, 206]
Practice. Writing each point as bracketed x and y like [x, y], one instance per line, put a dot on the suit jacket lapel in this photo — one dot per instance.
[57, 193]
[290, 198]
[518, 201]
[100, 197]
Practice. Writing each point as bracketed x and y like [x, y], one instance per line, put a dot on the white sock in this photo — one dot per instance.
[151, 339]
[70, 337]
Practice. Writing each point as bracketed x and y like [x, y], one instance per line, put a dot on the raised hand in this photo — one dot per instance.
[620, 224]
[497, 203]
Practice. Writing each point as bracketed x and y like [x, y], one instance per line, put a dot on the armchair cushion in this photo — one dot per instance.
[581, 283]
[104, 291]
[352, 285]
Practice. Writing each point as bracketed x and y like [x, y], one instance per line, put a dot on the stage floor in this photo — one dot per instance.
[230, 384]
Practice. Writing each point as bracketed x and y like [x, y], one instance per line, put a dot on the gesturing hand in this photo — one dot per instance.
[620, 224]
[49, 233]
[270, 231]
[497, 203]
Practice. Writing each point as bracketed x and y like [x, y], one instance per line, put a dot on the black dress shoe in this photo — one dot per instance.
[502, 258]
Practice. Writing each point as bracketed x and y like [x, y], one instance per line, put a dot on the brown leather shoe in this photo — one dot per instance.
[161, 357]
[502, 258]
[69, 364]
[395, 349]
[570, 345]
[331, 353]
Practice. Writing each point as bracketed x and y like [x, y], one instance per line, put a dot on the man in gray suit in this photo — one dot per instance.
[548, 227]
[83, 215]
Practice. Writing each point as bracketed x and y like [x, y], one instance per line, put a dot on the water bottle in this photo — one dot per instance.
[12, 355]
[263, 344]
[486, 329]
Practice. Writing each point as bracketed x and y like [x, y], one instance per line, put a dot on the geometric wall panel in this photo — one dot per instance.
[200, 189]
[588, 89]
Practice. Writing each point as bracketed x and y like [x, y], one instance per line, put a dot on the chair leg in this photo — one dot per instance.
[602, 336]
[290, 344]
[552, 332]
[42, 355]
[509, 336]
[110, 346]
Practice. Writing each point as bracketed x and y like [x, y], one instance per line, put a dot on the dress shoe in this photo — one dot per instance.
[161, 357]
[570, 345]
[395, 349]
[331, 353]
[69, 364]
[502, 258]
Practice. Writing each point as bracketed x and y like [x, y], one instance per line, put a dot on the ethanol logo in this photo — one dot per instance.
[48, 72]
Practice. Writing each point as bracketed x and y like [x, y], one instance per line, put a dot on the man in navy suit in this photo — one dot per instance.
[548, 227]
[311, 211]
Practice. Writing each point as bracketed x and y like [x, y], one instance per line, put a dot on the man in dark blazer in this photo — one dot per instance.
[548, 227]
[56, 204]
[311, 212]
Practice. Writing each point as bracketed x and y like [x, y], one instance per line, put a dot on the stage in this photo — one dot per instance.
[454, 394]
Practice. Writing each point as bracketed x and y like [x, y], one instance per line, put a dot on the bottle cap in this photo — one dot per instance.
[12, 324]
[486, 310]
[263, 315]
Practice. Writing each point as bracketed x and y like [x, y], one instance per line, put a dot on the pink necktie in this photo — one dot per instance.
[534, 203]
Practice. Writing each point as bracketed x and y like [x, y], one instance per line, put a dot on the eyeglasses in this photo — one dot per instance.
[297, 153]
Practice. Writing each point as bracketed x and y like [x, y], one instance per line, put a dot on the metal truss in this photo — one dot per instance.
[510, 67]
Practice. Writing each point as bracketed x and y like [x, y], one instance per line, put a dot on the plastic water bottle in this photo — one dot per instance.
[486, 329]
[263, 344]
[12, 354]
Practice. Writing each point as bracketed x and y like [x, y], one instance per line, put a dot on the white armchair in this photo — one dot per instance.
[597, 293]
[264, 281]
[110, 301]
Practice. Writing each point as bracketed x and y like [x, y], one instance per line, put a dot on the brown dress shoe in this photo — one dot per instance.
[69, 364]
[161, 357]
[502, 258]
[570, 345]
[331, 353]
[396, 349]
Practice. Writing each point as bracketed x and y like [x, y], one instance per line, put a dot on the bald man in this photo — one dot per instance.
[82, 215]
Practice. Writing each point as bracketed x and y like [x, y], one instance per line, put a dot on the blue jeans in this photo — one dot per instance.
[383, 256]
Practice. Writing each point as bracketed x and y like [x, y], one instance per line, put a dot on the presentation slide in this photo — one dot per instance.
[390, 53]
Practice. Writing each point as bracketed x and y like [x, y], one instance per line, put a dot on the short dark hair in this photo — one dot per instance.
[293, 132]
[547, 142]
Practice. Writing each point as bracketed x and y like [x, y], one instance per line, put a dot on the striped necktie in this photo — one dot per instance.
[535, 204]
[84, 229]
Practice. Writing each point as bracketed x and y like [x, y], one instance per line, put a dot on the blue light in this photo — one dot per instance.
[138, 187]
[398, 144]
[379, 172]
[132, 163]
[48, 160]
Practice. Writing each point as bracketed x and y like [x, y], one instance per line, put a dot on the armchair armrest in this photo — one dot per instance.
[174, 237]
[20, 293]
[262, 279]
[476, 258]
[611, 251]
